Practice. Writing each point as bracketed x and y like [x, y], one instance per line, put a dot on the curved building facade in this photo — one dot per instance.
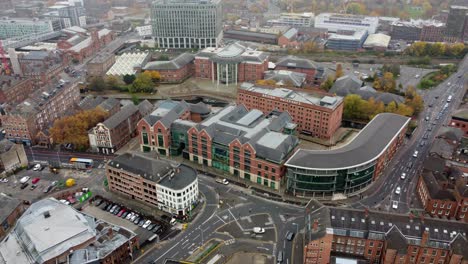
[351, 168]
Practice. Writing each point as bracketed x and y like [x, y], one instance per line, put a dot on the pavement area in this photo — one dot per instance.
[252, 258]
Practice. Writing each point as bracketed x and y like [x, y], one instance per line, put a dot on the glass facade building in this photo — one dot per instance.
[187, 24]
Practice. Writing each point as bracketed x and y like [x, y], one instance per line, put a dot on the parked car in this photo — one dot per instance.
[103, 205]
[25, 179]
[33, 187]
[48, 188]
[157, 229]
[97, 202]
[35, 180]
[121, 213]
[146, 224]
[71, 199]
[137, 220]
[125, 214]
[4, 180]
[130, 215]
[150, 227]
[395, 205]
[142, 222]
[116, 210]
[403, 176]
[289, 235]
[223, 181]
[24, 185]
[134, 217]
[112, 209]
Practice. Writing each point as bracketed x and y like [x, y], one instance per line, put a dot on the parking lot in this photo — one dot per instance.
[145, 226]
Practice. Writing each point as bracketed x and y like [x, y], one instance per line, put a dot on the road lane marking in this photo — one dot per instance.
[196, 237]
[221, 219]
[175, 245]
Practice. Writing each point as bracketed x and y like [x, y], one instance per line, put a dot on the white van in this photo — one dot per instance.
[173, 221]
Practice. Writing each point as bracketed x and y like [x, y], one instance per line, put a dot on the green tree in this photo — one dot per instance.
[404, 110]
[97, 84]
[129, 78]
[353, 107]
[356, 9]
[135, 99]
[391, 107]
[142, 84]
[327, 84]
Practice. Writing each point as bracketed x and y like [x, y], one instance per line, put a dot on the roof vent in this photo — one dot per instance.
[46, 214]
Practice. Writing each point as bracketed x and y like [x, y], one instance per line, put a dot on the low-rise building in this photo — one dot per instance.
[414, 30]
[244, 143]
[12, 156]
[231, 64]
[316, 113]
[334, 22]
[314, 73]
[293, 19]
[251, 36]
[347, 40]
[380, 237]
[112, 134]
[14, 89]
[100, 64]
[10, 210]
[57, 233]
[81, 44]
[128, 63]
[22, 122]
[377, 41]
[176, 70]
[352, 168]
[159, 183]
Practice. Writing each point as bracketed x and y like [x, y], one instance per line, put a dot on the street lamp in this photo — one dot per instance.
[297, 227]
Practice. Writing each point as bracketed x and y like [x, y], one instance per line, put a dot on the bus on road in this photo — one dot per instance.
[82, 163]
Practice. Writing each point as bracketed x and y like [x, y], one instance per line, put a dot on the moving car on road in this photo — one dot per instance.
[398, 190]
[403, 176]
[223, 181]
[395, 204]
[289, 235]
[415, 154]
[258, 230]
[37, 167]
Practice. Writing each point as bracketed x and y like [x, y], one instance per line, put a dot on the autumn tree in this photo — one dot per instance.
[310, 47]
[356, 9]
[142, 84]
[414, 100]
[74, 129]
[404, 110]
[112, 82]
[353, 107]
[385, 83]
[339, 71]
[154, 75]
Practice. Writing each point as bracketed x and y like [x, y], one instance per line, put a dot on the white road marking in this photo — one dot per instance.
[175, 245]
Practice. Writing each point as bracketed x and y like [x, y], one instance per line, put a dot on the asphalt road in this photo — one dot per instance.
[404, 162]
[284, 218]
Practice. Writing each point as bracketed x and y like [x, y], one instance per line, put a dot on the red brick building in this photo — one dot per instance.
[42, 67]
[112, 134]
[433, 32]
[14, 89]
[22, 122]
[316, 113]
[460, 120]
[81, 44]
[336, 233]
[314, 74]
[176, 70]
[244, 143]
[231, 64]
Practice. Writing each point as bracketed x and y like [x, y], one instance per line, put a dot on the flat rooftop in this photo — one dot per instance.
[312, 98]
[7, 205]
[368, 145]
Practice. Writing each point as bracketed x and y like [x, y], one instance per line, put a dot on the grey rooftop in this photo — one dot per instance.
[368, 145]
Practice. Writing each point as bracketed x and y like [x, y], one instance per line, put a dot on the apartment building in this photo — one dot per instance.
[41, 66]
[23, 122]
[316, 113]
[14, 89]
[418, 30]
[187, 24]
[457, 21]
[11, 28]
[293, 19]
[159, 183]
[246, 144]
[333, 235]
[100, 64]
[80, 44]
[231, 64]
[460, 120]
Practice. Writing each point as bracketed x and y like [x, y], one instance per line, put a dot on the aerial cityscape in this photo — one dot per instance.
[233, 132]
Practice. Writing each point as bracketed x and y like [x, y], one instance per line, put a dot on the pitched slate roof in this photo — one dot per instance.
[174, 64]
[346, 84]
[120, 116]
[434, 188]
[109, 103]
[283, 77]
[90, 102]
[296, 62]
[396, 240]
[145, 107]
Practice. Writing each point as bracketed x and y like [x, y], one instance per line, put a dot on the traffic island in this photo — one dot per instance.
[204, 251]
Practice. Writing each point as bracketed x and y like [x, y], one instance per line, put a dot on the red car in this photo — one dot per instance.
[121, 213]
[71, 199]
[35, 180]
